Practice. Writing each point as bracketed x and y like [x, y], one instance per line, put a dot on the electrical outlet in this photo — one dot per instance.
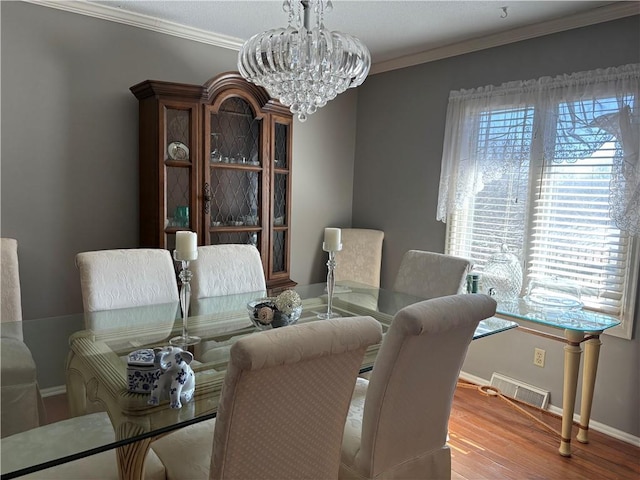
[538, 357]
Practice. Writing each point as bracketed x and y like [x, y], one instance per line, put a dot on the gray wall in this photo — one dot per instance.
[400, 129]
[70, 140]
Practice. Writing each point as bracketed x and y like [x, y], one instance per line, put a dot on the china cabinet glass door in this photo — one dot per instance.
[179, 158]
[280, 196]
[234, 184]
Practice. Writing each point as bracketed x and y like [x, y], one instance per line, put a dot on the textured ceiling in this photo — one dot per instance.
[390, 29]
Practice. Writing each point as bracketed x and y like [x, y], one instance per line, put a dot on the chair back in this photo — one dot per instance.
[361, 256]
[123, 278]
[409, 397]
[285, 399]
[430, 275]
[22, 407]
[11, 300]
[226, 270]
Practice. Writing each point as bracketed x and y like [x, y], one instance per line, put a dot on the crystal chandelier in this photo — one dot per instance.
[304, 65]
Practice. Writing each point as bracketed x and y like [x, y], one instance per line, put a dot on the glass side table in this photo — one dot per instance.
[580, 326]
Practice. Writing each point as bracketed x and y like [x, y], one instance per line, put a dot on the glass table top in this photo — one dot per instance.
[578, 319]
[103, 341]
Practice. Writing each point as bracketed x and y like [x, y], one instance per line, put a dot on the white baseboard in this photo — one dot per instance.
[593, 425]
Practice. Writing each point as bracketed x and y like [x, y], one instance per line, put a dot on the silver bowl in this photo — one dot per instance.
[265, 316]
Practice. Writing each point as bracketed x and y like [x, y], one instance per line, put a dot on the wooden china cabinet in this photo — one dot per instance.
[216, 159]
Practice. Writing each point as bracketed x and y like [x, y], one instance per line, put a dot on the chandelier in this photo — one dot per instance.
[304, 65]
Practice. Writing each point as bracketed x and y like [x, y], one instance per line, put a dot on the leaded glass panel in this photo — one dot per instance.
[235, 134]
[279, 245]
[235, 197]
[248, 238]
[177, 136]
[178, 197]
[281, 157]
[280, 199]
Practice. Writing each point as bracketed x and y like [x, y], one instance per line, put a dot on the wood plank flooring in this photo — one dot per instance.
[491, 440]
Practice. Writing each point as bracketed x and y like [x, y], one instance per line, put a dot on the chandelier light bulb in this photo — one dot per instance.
[304, 65]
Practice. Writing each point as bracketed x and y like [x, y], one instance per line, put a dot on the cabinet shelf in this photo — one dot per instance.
[239, 166]
[233, 114]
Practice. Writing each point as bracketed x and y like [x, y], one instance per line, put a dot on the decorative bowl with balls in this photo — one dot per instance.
[273, 312]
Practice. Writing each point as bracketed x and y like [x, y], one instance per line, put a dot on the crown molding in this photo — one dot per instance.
[142, 21]
[597, 15]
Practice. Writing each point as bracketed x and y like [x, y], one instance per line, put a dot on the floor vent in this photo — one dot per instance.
[520, 391]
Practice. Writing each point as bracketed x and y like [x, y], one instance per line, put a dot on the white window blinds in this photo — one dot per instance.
[572, 234]
[549, 167]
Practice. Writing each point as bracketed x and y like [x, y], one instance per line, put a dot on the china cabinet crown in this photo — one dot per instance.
[216, 159]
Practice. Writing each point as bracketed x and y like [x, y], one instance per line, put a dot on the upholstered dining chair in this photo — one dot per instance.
[22, 407]
[361, 256]
[397, 422]
[116, 279]
[429, 275]
[282, 408]
[226, 270]
[122, 278]
[225, 278]
[109, 279]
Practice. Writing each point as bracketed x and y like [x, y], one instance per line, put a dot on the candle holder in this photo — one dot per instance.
[185, 275]
[331, 281]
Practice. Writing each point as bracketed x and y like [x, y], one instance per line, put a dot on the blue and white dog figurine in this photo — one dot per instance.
[176, 376]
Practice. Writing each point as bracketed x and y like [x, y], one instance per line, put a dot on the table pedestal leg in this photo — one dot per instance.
[131, 457]
[591, 355]
[572, 352]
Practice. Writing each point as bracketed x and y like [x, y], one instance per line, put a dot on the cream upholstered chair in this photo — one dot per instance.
[22, 407]
[226, 270]
[86, 432]
[122, 278]
[116, 279]
[109, 279]
[429, 275]
[225, 278]
[283, 406]
[223, 270]
[360, 257]
[397, 423]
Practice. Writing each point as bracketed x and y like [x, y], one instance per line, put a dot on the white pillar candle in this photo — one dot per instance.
[332, 240]
[186, 245]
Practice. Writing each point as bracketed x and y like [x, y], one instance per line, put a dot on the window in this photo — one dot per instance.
[550, 168]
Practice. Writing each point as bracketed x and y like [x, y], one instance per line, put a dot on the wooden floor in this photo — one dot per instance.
[491, 440]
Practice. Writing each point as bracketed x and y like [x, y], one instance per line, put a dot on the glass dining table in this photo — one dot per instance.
[99, 344]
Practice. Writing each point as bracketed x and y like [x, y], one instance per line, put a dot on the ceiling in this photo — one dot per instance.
[393, 30]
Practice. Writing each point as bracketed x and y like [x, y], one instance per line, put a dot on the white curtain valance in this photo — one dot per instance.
[549, 120]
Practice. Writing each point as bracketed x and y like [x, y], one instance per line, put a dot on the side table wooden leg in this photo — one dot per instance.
[591, 356]
[572, 352]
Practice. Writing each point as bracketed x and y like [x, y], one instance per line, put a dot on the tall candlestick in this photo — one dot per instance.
[186, 246]
[331, 281]
[332, 244]
[332, 240]
[185, 275]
